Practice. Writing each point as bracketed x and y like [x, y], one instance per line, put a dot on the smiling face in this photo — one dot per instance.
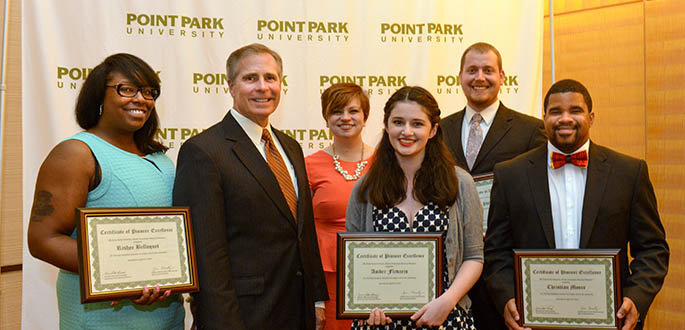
[124, 113]
[409, 129]
[480, 78]
[348, 121]
[568, 121]
[256, 89]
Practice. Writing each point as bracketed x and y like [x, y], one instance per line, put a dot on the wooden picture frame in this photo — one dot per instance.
[396, 272]
[122, 250]
[566, 289]
[484, 187]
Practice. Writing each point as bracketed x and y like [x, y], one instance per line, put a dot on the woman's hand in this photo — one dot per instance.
[377, 317]
[433, 313]
[148, 297]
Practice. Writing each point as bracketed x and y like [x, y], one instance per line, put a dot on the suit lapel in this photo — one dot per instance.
[595, 185]
[539, 187]
[459, 154]
[253, 161]
[500, 125]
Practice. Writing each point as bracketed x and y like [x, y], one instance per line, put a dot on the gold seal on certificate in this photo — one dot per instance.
[122, 250]
[568, 289]
[396, 272]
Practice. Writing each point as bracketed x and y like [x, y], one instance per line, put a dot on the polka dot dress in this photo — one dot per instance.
[428, 219]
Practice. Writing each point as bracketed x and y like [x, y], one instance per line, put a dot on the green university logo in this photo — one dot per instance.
[174, 26]
[449, 84]
[303, 31]
[372, 84]
[421, 33]
[73, 77]
[173, 137]
[217, 83]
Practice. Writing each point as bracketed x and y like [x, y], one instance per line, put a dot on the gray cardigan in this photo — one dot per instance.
[463, 241]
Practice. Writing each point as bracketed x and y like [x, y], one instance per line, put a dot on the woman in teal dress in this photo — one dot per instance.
[115, 162]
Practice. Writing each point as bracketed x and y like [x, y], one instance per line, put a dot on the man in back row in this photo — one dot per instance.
[574, 194]
[483, 134]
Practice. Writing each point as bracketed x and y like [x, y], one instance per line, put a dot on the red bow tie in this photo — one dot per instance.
[579, 159]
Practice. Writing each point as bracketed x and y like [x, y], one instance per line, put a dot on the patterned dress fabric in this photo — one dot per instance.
[330, 194]
[428, 219]
[128, 180]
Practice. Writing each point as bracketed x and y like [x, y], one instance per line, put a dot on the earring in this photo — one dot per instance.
[100, 110]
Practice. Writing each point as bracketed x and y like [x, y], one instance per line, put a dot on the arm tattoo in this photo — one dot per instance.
[42, 206]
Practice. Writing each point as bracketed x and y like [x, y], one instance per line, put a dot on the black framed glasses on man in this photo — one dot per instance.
[130, 90]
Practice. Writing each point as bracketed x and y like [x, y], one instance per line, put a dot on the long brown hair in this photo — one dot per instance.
[435, 181]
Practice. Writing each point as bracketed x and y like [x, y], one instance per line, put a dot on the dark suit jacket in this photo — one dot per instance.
[619, 207]
[258, 267]
[511, 134]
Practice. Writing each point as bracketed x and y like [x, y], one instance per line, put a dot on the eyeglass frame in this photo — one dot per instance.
[117, 87]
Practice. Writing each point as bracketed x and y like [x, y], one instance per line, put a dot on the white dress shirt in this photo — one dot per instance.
[254, 132]
[488, 115]
[566, 192]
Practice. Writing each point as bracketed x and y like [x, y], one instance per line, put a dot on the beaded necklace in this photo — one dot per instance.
[357, 172]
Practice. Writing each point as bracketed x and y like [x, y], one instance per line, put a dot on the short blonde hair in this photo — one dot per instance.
[481, 48]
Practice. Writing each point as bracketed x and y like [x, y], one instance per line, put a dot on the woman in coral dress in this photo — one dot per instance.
[333, 172]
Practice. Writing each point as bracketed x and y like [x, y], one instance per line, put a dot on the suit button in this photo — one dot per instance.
[299, 273]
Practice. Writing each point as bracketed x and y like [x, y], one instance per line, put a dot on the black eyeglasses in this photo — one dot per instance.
[128, 90]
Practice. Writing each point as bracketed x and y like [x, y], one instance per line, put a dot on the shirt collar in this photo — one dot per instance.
[253, 131]
[488, 113]
[551, 148]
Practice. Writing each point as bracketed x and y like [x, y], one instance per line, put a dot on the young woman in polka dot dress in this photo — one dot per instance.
[414, 186]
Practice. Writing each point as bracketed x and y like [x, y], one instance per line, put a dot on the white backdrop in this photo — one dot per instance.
[379, 44]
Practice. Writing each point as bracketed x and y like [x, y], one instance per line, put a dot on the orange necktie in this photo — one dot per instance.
[277, 165]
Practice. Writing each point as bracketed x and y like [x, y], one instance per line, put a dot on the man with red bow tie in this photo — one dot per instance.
[573, 194]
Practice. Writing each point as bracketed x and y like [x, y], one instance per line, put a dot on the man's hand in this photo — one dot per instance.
[628, 313]
[511, 316]
[320, 317]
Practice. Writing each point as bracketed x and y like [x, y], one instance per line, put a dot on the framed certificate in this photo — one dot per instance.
[396, 272]
[568, 289]
[122, 250]
[484, 186]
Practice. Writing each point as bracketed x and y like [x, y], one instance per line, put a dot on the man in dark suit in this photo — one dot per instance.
[245, 182]
[504, 133]
[507, 133]
[572, 193]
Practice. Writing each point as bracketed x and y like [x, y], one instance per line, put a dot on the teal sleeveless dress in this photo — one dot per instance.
[128, 180]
